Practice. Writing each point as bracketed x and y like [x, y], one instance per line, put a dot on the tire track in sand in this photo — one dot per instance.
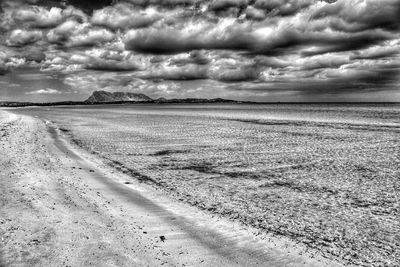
[191, 233]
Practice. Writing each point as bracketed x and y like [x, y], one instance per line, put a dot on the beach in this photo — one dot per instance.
[62, 206]
[281, 185]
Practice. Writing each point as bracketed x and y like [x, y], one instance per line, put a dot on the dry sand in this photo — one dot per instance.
[61, 206]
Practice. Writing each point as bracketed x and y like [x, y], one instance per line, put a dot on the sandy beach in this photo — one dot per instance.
[61, 206]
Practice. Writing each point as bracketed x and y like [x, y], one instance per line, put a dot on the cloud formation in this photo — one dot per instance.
[122, 16]
[20, 37]
[311, 31]
[72, 33]
[245, 46]
[47, 91]
[3, 67]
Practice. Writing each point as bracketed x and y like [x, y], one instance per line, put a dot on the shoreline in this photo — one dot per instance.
[11, 104]
[79, 174]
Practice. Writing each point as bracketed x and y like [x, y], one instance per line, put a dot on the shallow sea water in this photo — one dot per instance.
[325, 175]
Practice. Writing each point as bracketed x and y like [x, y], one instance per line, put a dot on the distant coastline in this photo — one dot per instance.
[182, 101]
[126, 98]
[80, 103]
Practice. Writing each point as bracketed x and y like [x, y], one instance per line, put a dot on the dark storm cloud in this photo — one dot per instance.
[384, 77]
[108, 65]
[220, 5]
[89, 5]
[86, 5]
[185, 37]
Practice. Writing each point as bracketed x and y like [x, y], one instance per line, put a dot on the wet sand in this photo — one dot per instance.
[62, 206]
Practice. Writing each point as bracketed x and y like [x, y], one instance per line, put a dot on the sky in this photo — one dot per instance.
[256, 50]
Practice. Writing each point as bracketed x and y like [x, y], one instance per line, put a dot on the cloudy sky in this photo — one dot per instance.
[259, 50]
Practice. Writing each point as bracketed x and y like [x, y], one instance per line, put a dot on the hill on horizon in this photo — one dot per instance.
[104, 96]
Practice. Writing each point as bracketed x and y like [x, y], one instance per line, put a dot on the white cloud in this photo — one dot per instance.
[47, 91]
[72, 33]
[124, 16]
[20, 37]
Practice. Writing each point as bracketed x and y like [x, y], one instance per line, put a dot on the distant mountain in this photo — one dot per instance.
[106, 97]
